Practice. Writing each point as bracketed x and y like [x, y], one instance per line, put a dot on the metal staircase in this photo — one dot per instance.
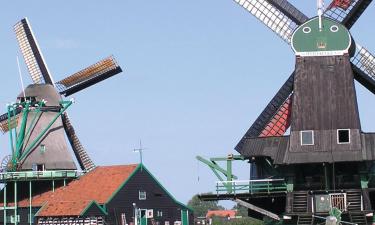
[300, 201]
[354, 200]
[305, 220]
[358, 218]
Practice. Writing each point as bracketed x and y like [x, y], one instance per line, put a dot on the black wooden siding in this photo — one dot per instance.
[157, 199]
[324, 94]
[22, 212]
[324, 101]
[94, 210]
[273, 147]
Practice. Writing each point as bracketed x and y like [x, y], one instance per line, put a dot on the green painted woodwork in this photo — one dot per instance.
[93, 203]
[252, 187]
[185, 217]
[335, 212]
[364, 181]
[38, 175]
[216, 169]
[142, 218]
[17, 138]
[333, 39]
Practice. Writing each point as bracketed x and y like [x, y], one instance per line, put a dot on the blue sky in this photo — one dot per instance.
[196, 75]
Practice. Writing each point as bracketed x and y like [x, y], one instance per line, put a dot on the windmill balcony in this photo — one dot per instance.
[39, 175]
[251, 186]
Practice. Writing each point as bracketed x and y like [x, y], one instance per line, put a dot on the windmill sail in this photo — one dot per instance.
[31, 53]
[89, 76]
[363, 64]
[278, 15]
[346, 12]
[83, 158]
[274, 120]
[344, 4]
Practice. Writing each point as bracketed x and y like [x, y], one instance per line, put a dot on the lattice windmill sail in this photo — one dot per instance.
[55, 154]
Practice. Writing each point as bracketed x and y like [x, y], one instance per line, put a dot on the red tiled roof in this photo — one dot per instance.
[221, 213]
[55, 208]
[98, 185]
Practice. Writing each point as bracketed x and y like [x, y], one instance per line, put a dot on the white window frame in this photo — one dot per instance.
[142, 195]
[337, 137]
[313, 138]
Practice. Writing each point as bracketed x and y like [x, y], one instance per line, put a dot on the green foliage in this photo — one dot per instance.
[201, 207]
[269, 221]
[241, 211]
[239, 221]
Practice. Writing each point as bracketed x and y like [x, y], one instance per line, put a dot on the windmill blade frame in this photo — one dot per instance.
[89, 76]
[363, 65]
[348, 16]
[32, 54]
[275, 113]
[83, 158]
[278, 15]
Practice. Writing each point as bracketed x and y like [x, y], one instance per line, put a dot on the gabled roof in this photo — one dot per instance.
[96, 186]
[88, 192]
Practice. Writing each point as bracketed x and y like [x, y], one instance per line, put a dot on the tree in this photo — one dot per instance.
[241, 211]
[201, 207]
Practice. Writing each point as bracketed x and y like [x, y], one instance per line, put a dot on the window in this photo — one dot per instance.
[42, 149]
[40, 167]
[142, 195]
[307, 137]
[343, 136]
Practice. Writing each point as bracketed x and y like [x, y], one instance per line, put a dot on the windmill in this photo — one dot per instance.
[39, 144]
[326, 161]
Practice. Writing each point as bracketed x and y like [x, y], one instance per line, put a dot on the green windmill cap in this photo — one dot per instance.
[332, 39]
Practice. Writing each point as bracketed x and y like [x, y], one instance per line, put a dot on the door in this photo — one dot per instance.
[185, 217]
[143, 217]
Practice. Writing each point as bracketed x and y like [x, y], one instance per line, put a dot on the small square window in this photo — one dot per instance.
[142, 195]
[343, 136]
[307, 137]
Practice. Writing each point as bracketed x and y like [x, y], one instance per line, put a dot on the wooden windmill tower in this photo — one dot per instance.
[326, 161]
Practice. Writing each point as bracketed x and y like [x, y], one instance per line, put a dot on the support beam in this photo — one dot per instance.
[257, 209]
[15, 203]
[224, 173]
[5, 203]
[30, 204]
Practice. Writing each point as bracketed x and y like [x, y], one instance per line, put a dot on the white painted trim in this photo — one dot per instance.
[139, 195]
[313, 137]
[321, 53]
[337, 137]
